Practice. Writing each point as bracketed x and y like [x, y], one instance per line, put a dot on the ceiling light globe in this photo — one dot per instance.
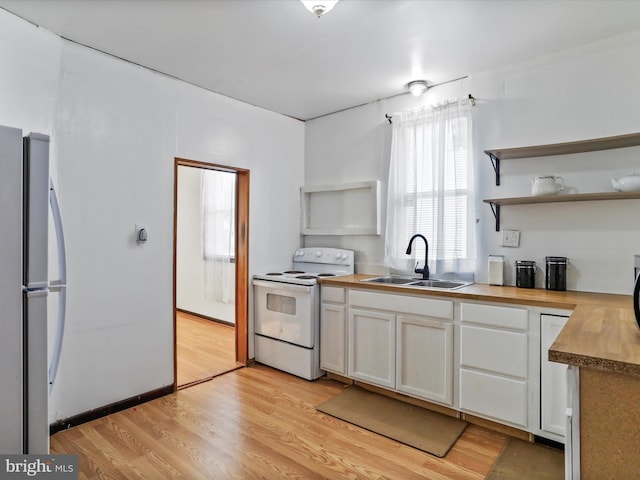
[417, 87]
[319, 7]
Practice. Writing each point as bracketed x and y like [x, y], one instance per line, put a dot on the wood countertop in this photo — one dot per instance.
[600, 334]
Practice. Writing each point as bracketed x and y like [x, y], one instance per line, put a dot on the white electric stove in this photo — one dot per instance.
[287, 310]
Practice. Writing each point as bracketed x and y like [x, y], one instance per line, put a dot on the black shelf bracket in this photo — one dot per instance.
[495, 163]
[495, 208]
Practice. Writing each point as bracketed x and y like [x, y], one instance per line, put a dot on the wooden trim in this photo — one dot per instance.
[340, 378]
[242, 257]
[498, 427]
[449, 411]
[185, 162]
[109, 409]
[202, 380]
[242, 268]
[175, 270]
[209, 319]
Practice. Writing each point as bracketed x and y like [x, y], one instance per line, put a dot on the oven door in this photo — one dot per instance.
[285, 311]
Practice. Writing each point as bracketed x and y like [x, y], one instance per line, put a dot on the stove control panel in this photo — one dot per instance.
[332, 256]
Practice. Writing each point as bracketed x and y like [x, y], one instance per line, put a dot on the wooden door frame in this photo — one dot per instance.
[242, 258]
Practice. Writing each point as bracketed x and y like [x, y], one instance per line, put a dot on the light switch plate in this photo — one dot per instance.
[510, 238]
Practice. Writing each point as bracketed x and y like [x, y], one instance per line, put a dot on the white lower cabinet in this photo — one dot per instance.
[493, 396]
[424, 358]
[333, 330]
[406, 343]
[372, 345]
[333, 338]
[402, 342]
[494, 363]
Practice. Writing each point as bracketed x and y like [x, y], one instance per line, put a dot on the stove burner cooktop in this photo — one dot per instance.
[300, 274]
[312, 264]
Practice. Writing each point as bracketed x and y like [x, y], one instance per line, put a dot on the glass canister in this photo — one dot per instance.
[525, 273]
[556, 273]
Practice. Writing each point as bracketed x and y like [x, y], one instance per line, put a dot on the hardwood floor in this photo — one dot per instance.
[258, 422]
[205, 348]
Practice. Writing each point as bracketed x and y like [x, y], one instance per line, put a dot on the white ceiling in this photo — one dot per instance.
[279, 56]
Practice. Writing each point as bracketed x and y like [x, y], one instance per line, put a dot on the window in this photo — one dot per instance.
[218, 214]
[431, 189]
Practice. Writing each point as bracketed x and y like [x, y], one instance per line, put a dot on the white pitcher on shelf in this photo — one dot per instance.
[628, 183]
[547, 185]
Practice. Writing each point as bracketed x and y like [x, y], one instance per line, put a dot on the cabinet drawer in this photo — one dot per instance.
[426, 307]
[494, 316]
[492, 396]
[494, 350]
[333, 294]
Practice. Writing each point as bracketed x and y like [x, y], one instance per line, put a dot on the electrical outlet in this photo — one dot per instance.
[510, 238]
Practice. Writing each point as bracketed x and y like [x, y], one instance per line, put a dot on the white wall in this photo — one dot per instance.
[190, 264]
[116, 129]
[583, 93]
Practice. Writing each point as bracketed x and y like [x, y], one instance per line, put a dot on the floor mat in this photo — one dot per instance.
[528, 461]
[418, 427]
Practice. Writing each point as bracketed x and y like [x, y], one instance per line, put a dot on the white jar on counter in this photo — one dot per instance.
[496, 270]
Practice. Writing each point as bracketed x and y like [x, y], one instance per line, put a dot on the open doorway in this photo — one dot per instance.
[210, 271]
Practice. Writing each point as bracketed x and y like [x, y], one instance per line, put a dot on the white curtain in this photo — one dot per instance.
[430, 190]
[218, 234]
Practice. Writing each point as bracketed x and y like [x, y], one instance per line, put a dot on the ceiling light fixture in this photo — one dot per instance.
[417, 87]
[319, 7]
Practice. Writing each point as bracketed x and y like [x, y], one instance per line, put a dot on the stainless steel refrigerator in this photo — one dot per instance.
[25, 370]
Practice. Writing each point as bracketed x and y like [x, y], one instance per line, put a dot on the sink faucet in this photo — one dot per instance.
[424, 271]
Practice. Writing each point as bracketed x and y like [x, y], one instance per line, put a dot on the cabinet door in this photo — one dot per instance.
[372, 340]
[333, 338]
[493, 396]
[554, 383]
[424, 358]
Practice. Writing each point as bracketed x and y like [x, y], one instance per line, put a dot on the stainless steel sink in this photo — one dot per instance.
[416, 282]
[391, 280]
[444, 284]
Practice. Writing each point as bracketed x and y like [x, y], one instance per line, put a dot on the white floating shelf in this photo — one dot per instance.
[345, 209]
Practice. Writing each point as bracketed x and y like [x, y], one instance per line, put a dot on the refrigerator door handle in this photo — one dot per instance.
[56, 286]
[59, 286]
